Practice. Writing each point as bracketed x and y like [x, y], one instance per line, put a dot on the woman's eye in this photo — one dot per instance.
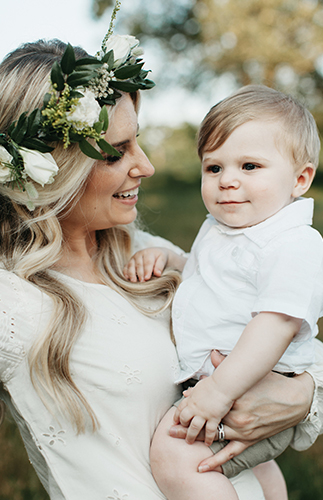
[112, 159]
[250, 166]
[215, 169]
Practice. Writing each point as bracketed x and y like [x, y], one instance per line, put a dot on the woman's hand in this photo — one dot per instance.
[271, 406]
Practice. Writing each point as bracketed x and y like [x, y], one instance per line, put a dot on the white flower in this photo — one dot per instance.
[5, 172]
[122, 46]
[86, 111]
[40, 167]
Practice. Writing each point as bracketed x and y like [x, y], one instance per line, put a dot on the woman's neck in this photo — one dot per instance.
[77, 258]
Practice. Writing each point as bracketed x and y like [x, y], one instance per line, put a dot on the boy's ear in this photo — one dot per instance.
[304, 180]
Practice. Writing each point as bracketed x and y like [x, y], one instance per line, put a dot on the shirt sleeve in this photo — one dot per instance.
[290, 278]
[312, 426]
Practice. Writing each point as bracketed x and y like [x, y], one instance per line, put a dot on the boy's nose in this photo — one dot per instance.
[229, 180]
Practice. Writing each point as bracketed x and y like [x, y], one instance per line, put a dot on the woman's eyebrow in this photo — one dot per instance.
[119, 144]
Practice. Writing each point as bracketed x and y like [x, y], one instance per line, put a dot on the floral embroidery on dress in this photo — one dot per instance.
[117, 496]
[131, 375]
[54, 437]
[119, 320]
[116, 439]
[11, 350]
[175, 367]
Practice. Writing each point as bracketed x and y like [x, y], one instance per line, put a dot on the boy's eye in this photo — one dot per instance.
[250, 166]
[215, 169]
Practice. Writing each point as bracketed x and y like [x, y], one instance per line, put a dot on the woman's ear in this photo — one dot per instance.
[304, 179]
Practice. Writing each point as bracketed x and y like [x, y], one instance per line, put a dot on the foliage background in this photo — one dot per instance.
[205, 49]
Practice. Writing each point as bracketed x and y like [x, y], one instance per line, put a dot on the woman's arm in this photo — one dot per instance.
[271, 406]
[308, 430]
[257, 351]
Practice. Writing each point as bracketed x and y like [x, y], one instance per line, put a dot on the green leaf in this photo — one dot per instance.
[98, 127]
[57, 76]
[33, 122]
[109, 59]
[36, 144]
[47, 98]
[68, 60]
[75, 93]
[78, 79]
[124, 86]
[89, 150]
[145, 84]
[85, 61]
[19, 132]
[89, 67]
[128, 71]
[107, 148]
[104, 118]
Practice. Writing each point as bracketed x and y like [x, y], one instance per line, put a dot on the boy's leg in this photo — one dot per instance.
[174, 467]
[263, 451]
[272, 481]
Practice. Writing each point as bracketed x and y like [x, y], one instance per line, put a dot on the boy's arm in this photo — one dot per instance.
[261, 345]
[152, 262]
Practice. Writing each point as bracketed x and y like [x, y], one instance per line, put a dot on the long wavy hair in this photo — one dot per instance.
[31, 241]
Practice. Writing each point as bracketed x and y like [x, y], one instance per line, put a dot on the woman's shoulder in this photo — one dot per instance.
[142, 239]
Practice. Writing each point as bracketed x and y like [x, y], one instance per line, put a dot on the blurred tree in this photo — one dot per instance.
[275, 42]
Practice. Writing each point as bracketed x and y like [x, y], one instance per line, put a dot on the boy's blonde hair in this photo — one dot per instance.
[258, 102]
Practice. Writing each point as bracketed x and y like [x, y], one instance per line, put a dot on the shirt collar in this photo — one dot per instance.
[297, 213]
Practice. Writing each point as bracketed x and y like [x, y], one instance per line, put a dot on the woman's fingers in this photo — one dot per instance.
[231, 450]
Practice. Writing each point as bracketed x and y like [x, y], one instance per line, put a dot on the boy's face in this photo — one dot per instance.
[250, 177]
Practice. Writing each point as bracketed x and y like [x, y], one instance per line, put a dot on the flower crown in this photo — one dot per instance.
[73, 111]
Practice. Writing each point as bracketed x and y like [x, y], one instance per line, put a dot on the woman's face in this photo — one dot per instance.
[111, 191]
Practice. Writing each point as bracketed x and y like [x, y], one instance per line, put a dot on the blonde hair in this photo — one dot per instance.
[31, 242]
[258, 102]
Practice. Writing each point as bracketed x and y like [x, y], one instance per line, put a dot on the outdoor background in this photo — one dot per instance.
[199, 51]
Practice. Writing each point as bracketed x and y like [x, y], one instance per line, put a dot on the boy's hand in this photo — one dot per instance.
[205, 406]
[145, 264]
[152, 262]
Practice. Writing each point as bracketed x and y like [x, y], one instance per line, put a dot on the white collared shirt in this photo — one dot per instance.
[233, 274]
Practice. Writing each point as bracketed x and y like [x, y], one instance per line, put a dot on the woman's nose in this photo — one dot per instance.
[141, 165]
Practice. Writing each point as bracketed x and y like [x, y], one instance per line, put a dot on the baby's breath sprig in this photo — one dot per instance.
[111, 25]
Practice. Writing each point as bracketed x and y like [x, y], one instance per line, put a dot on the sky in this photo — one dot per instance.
[72, 21]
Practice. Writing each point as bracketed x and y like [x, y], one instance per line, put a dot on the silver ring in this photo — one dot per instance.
[221, 435]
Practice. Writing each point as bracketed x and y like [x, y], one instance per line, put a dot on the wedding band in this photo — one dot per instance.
[221, 435]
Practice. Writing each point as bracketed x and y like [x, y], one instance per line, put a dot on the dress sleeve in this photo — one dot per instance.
[312, 426]
[12, 350]
[142, 240]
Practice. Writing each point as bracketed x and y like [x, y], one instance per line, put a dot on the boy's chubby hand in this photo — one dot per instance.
[145, 264]
[152, 262]
[204, 406]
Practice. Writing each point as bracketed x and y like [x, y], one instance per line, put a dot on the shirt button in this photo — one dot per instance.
[177, 314]
[234, 252]
[198, 269]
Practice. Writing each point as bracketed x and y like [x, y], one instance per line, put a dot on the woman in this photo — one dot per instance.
[86, 359]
